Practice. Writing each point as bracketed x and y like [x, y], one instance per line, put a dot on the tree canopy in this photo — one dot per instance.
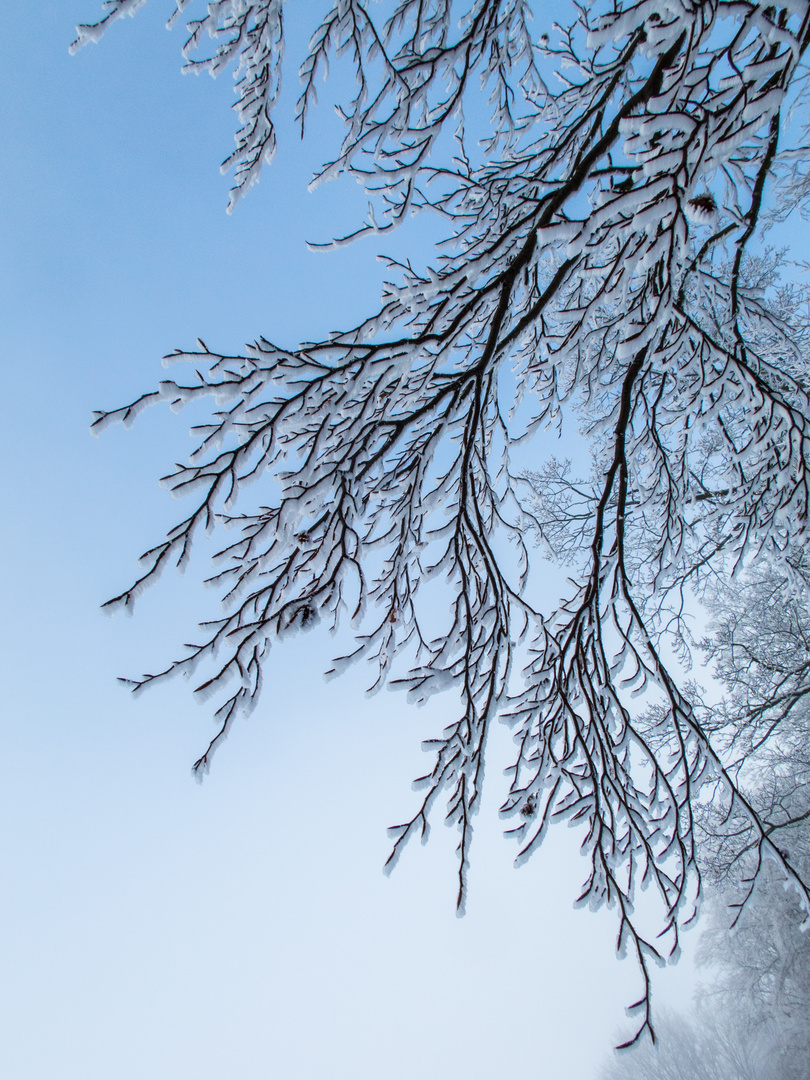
[598, 272]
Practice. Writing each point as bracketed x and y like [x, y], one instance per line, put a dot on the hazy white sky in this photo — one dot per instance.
[242, 929]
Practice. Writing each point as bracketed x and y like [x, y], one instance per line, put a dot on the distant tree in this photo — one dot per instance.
[761, 979]
[594, 277]
[761, 650]
[712, 1045]
[753, 1019]
[760, 645]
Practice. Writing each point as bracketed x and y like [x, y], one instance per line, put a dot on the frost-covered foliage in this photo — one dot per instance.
[595, 269]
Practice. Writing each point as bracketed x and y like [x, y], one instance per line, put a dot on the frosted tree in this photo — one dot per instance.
[761, 651]
[760, 977]
[717, 1045]
[753, 1019]
[592, 276]
[760, 646]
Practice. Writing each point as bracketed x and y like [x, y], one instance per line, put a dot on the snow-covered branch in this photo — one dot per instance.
[600, 243]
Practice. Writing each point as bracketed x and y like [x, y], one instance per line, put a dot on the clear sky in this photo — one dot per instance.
[241, 929]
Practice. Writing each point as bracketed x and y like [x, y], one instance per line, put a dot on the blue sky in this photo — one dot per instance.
[152, 927]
